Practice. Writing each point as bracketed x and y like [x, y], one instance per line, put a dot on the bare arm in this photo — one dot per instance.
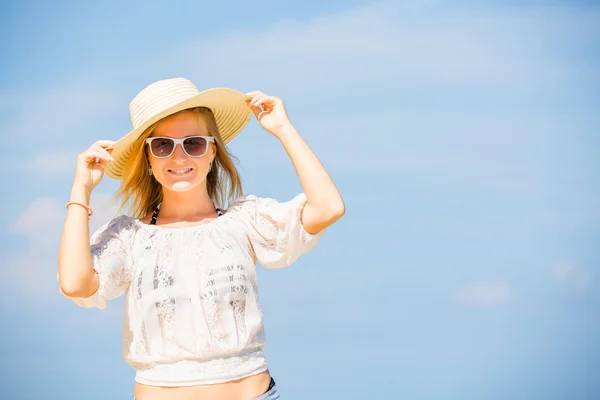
[76, 274]
[324, 204]
[77, 277]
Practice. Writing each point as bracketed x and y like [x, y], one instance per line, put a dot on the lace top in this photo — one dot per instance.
[192, 314]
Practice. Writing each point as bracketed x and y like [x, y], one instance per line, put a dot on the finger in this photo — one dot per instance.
[106, 153]
[101, 163]
[100, 144]
[102, 153]
[104, 143]
[93, 156]
[252, 100]
[254, 95]
[260, 99]
[107, 159]
[269, 102]
[256, 111]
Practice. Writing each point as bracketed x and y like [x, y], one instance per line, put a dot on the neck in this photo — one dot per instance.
[188, 205]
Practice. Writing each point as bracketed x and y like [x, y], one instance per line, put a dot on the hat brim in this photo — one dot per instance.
[229, 107]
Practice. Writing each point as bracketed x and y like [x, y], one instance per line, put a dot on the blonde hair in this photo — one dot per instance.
[144, 193]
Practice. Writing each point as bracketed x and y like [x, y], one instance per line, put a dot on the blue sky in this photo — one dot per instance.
[464, 139]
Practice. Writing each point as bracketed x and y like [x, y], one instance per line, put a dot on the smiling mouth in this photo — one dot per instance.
[180, 172]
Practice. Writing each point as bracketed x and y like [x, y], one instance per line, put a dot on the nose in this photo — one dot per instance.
[178, 153]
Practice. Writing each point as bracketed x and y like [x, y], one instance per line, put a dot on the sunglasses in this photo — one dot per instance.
[193, 146]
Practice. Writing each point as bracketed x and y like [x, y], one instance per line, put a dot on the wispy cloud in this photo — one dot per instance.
[391, 43]
[42, 224]
[59, 112]
[362, 57]
[485, 295]
[354, 53]
[570, 274]
[53, 162]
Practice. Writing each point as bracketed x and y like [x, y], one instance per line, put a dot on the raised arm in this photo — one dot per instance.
[76, 274]
[324, 204]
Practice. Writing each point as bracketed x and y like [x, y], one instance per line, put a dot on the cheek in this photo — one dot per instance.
[156, 161]
[156, 165]
[201, 163]
[205, 161]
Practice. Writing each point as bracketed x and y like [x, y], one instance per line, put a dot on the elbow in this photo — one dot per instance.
[332, 213]
[336, 210]
[78, 292]
[70, 289]
[340, 210]
[315, 219]
[332, 210]
[75, 287]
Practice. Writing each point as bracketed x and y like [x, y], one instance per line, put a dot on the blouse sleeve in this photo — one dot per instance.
[111, 254]
[275, 229]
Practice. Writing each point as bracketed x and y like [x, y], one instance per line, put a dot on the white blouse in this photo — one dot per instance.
[192, 313]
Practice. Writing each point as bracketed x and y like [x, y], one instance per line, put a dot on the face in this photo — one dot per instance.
[180, 172]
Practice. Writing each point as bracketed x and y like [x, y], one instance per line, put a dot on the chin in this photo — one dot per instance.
[182, 186]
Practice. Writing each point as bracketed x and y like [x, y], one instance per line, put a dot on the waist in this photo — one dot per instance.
[251, 387]
[191, 372]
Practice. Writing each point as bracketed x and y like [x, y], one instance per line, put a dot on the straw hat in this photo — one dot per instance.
[169, 96]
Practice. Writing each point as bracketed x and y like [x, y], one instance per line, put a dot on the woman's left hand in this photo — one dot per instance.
[269, 111]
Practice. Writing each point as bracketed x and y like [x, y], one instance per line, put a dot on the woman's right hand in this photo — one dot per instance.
[88, 172]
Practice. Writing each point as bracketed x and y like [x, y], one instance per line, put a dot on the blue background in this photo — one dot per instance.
[463, 136]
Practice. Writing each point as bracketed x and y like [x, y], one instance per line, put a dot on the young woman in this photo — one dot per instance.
[193, 325]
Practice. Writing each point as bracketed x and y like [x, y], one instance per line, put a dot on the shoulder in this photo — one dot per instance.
[242, 201]
[255, 207]
[252, 200]
[118, 225]
[122, 221]
[241, 206]
[250, 203]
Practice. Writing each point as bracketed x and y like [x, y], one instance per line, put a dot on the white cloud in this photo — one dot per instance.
[105, 208]
[362, 56]
[485, 295]
[42, 224]
[572, 275]
[391, 44]
[44, 217]
[385, 52]
[53, 162]
[59, 112]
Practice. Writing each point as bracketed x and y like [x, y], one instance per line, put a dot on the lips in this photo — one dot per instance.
[180, 171]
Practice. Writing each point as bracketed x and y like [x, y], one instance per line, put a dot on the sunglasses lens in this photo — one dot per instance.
[195, 146]
[162, 147]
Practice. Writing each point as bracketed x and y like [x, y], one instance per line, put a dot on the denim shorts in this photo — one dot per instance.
[271, 394]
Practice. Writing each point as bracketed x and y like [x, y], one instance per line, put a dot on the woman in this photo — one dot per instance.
[193, 326]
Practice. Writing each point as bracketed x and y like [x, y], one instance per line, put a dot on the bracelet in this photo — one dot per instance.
[90, 212]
